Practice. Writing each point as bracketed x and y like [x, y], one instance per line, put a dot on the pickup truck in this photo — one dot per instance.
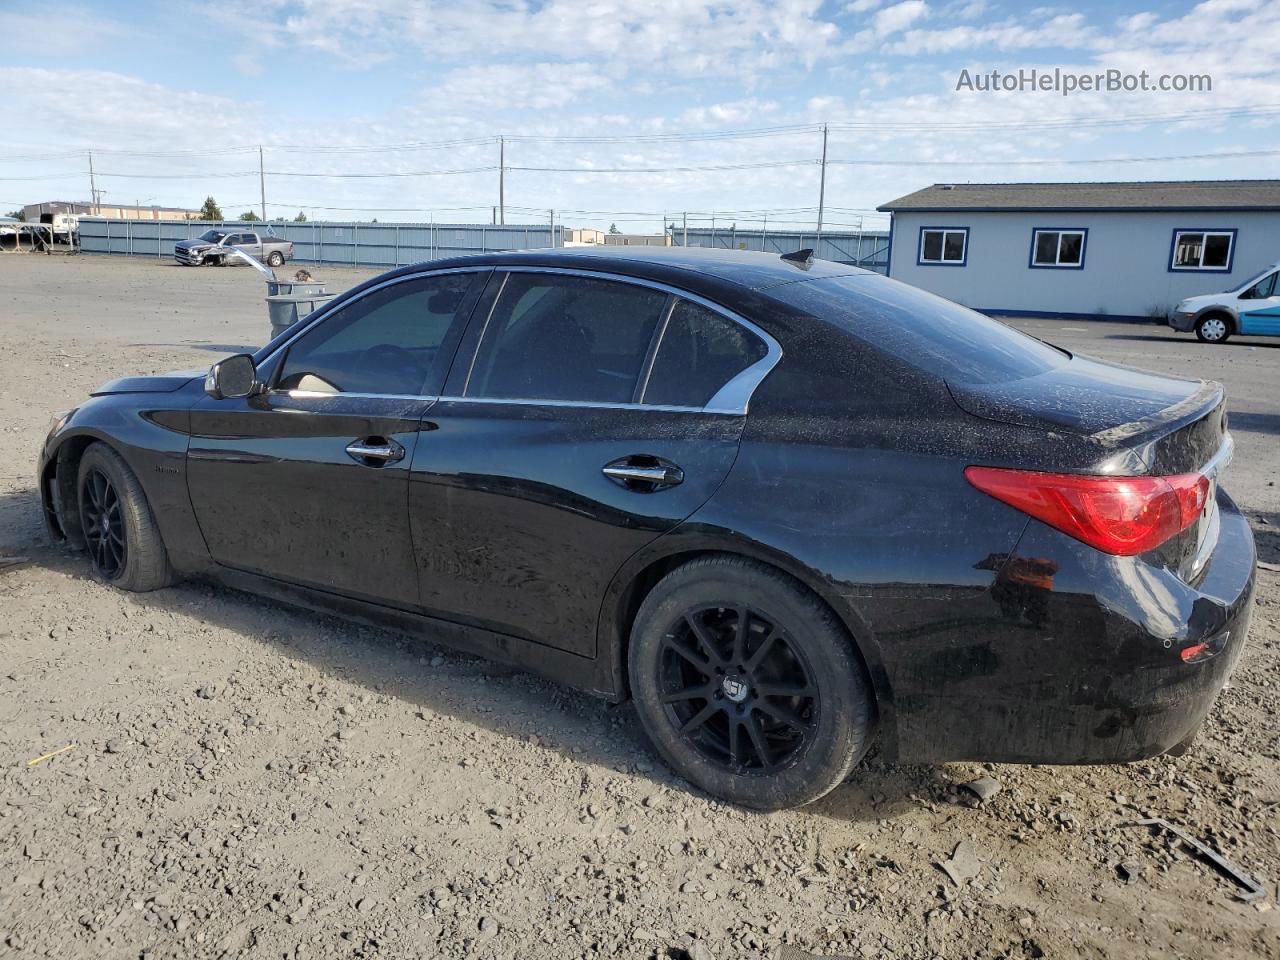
[215, 246]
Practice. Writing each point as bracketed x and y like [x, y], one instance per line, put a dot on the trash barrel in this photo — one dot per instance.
[286, 309]
[294, 288]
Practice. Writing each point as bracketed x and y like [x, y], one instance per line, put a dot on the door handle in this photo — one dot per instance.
[643, 473]
[375, 451]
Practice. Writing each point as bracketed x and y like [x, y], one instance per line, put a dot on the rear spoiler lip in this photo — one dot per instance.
[1171, 418]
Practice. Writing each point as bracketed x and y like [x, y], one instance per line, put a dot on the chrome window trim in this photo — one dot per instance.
[734, 398]
[585, 405]
[475, 354]
[321, 394]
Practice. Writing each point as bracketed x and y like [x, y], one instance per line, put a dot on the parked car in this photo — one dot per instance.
[215, 246]
[1251, 309]
[782, 504]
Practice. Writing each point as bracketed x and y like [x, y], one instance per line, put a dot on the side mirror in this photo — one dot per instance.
[233, 377]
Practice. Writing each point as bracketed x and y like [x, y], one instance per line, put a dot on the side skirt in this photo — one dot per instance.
[590, 675]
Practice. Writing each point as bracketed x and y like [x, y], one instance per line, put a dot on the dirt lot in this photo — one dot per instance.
[249, 780]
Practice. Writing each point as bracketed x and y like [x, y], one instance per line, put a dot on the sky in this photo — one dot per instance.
[627, 111]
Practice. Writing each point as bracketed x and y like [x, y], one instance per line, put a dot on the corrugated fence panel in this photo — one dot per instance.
[868, 249]
[343, 244]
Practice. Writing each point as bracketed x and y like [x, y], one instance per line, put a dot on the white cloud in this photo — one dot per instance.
[682, 36]
[500, 87]
[737, 112]
[894, 19]
[862, 6]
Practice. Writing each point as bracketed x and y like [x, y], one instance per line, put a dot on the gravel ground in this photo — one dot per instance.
[245, 779]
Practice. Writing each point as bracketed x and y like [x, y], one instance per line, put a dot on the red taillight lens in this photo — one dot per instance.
[1123, 516]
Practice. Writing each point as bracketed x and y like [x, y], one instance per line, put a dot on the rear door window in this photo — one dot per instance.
[565, 337]
[700, 352]
[943, 338]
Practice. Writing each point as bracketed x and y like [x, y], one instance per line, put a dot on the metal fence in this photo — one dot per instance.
[867, 248]
[343, 244]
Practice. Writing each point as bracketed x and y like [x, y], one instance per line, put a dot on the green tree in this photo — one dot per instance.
[249, 215]
[300, 218]
[613, 228]
[210, 210]
[18, 214]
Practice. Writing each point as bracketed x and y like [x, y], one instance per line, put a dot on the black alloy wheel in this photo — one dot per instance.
[737, 689]
[103, 525]
[748, 684]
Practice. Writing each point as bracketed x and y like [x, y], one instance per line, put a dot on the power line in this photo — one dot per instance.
[1055, 163]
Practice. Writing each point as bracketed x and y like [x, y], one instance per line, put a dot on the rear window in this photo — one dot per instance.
[928, 332]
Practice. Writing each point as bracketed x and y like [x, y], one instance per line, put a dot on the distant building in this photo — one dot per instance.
[33, 211]
[637, 240]
[1129, 250]
[582, 237]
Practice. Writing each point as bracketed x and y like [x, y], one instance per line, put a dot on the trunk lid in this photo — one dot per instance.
[1174, 425]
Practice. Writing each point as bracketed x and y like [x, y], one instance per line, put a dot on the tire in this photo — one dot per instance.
[690, 712]
[127, 552]
[1213, 328]
[276, 259]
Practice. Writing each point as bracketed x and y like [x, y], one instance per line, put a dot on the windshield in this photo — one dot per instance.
[1239, 288]
[213, 236]
[940, 337]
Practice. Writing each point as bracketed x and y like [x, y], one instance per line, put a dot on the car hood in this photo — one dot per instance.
[192, 244]
[157, 383]
[1195, 304]
[1081, 396]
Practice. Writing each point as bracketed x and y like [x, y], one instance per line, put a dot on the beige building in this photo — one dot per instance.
[582, 237]
[33, 211]
[637, 239]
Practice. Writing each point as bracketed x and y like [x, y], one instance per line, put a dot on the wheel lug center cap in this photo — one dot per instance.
[735, 688]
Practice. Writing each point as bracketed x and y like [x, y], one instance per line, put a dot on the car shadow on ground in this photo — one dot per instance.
[1173, 337]
[506, 701]
[1266, 534]
[1243, 420]
[227, 348]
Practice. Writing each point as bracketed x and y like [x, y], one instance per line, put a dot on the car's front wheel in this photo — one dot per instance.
[748, 685]
[120, 533]
[1213, 328]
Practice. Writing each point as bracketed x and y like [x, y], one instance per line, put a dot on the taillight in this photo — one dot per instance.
[1123, 516]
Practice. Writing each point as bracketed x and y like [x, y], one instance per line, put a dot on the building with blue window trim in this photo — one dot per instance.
[1122, 250]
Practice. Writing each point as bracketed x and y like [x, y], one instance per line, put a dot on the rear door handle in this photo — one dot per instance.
[643, 473]
[375, 451]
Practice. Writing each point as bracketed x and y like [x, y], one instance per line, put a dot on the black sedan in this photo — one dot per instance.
[784, 505]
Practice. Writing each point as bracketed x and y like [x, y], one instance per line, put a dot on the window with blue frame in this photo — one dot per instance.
[1059, 248]
[1197, 250]
[943, 246]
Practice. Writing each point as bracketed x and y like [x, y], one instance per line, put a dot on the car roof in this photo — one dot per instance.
[750, 269]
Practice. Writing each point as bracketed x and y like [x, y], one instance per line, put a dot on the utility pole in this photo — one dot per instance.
[684, 220]
[822, 180]
[262, 184]
[93, 189]
[553, 226]
[764, 234]
[502, 179]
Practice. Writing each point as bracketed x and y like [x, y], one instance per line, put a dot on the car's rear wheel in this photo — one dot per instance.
[276, 259]
[124, 544]
[1214, 328]
[747, 684]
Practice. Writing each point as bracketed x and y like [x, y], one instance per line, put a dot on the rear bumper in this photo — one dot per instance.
[1093, 659]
